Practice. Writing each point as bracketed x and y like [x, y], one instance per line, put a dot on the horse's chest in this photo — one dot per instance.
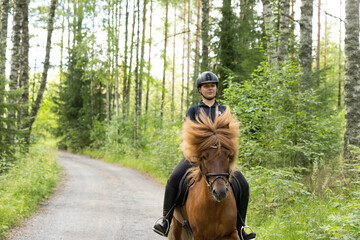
[210, 219]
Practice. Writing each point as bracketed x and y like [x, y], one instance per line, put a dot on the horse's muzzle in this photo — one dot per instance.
[220, 193]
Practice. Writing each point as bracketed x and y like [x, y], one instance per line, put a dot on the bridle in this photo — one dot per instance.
[224, 176]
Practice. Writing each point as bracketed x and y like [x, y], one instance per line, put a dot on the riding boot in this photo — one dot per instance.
[162, 226]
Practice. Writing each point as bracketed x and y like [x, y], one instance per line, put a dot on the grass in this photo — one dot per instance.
[30, 181]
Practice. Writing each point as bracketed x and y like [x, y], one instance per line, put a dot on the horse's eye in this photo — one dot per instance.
[203, 157]
[229, 156]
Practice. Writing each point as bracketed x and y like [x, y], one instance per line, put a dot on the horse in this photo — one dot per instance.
[210, 208]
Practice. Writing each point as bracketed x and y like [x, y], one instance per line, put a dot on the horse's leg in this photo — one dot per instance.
[177, 229]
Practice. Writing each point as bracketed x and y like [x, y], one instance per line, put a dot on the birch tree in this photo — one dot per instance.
[284, 30]
[352, 77]
[270, 32]
[36, 106]
[305, 49]
[205, 11]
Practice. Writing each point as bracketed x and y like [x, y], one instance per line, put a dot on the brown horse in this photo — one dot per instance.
[210, 208]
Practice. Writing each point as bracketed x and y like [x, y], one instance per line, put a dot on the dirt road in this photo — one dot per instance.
[96, 200]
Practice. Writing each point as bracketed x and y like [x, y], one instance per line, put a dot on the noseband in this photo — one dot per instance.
[224, 176]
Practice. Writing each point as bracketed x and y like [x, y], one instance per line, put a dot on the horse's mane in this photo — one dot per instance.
[203, 133]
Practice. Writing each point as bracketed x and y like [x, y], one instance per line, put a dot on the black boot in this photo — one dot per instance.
[162, 227]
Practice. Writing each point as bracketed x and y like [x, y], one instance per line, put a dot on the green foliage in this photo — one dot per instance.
[27, 183]
[281, 125]
[282, 205]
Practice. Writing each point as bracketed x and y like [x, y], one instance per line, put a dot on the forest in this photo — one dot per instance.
[114, 79]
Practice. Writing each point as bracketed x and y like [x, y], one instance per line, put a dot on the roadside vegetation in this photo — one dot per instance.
[30, 181]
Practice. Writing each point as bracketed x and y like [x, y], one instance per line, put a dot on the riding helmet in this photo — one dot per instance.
[207, 77]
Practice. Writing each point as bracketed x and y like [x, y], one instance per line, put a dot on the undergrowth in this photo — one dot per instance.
[30, 181]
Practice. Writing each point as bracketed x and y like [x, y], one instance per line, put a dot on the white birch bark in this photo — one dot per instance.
[305, 49]
[352, 77]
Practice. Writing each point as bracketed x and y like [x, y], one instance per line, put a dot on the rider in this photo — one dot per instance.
[207, 84]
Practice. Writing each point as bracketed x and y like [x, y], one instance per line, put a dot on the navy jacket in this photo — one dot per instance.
[210, 111]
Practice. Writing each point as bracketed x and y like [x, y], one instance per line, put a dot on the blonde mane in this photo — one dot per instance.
[197, 136]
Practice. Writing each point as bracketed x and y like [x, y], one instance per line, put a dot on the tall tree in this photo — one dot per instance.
[183, 64]
[35, 108]
[197, 52]
[284, 30]
[19, 5]
[116, 39]
[188, 57]
[205, 27]
[305, 49]
[3, 37]
[165, 62]
[128, 85]
[340, 60]
[173, 69]
[269, 21]
[24, 66]
[318, 47]
[125, 65]
[149, 61]
[352, 77]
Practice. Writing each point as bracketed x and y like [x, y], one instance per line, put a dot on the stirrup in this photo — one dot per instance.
[242, 229]
[159, 232]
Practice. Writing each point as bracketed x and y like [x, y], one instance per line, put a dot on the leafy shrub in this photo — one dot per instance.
[280, 124]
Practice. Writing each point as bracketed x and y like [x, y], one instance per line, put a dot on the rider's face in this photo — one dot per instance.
[208, 90]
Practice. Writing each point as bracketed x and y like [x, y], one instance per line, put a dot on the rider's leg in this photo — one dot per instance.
[171, 189]
[242, 200]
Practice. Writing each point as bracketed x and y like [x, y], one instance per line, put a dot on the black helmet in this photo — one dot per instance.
[206, 77]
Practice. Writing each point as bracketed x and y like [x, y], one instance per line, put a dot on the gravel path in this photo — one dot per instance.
[96, 200]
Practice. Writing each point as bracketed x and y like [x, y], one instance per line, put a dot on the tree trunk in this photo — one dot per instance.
[24, 67]
[142, 58]
[128, 89]
[305, 49]
[197, 47]
[340, 60]
[109, 66]
[270, 33]
[19, 5]
[292, 31]
[183, 64]
[116, 38]
[352, 78]
[318, 44]
[125, 102]
[40, 93]
[62, 42]
[188, 59]
[205, 36]
[3, 39]
[137, 97]
[3, 46]
[149, 64]
[326, 37]
[284, 30]
[173, 70]
[165, 63]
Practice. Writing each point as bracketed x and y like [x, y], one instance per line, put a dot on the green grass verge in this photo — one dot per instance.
[30, 181]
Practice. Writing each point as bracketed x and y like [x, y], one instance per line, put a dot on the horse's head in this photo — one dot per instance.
[215, 169]
[213, 145]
